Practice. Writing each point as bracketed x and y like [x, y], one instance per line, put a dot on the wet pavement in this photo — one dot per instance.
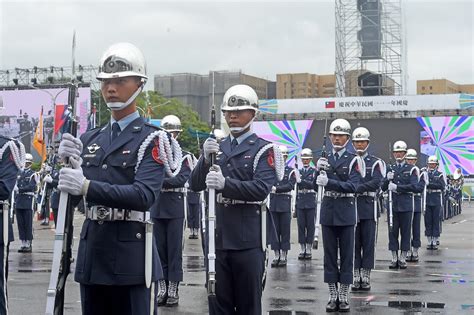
[442, 282]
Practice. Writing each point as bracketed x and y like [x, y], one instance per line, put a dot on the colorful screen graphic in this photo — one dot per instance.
[291, 133]
[451, 139]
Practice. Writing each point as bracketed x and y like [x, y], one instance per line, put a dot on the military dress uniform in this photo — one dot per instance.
[8, 177]
[306, 211]
[194, 213]
[110, 264]
[279, 225]
[24, 207]
[434, 191]
[238, 227]
[168, 219]
[55, 193]
[402, 204]
[416, 220]
[367, 217]
[338, 217]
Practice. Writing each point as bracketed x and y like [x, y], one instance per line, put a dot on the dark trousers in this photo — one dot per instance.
[416, 240]
[3, 278]
[238, 282]
[432, 221]
[365, 244]
[402, 228]
[24, 220]
[193, 215]
[338, 239]
[116, 300]
[169, 241]
[306, 225]
[55, 214]
[278, 234]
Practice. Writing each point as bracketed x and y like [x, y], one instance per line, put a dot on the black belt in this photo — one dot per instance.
[100, 213]
[229, 201]
[367, 194]
[335, 194]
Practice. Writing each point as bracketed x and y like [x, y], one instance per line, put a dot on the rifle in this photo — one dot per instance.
[62, 254]
[211, 255]
[390, 199]
[320, 193]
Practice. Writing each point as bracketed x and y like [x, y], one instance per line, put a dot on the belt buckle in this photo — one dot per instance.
[103, 213]
[227, 201]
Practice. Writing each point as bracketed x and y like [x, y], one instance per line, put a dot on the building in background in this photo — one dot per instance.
[442, 86]
[305, 85]
[197, 90]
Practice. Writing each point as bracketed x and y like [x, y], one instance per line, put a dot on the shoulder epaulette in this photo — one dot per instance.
[153, 126]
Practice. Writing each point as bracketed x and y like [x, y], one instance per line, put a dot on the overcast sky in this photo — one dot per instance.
[260, 38]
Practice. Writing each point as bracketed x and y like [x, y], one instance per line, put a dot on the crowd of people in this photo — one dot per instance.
[139, 192]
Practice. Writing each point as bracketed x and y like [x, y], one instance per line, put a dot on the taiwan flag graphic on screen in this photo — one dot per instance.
[330, 104]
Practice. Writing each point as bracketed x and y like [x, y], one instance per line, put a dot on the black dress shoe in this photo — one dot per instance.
[331, 306]
[434, 247]
[308, 256]
[22, 249]
[415, 258]
[162, 299]
[410, 258]
[301, 256]
[365, 286]
[355, 286]
[393, 265]
[282, 262]
[402, 264]
[344, 307]
[275, 262]
[172, 301]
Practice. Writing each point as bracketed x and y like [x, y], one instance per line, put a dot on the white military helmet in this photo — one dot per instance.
[361, 134]
[340, 127]
[219, 134]
[240, 97]
[306, 153]
[411, 154]
[283, 149]
[171, 123]
[28, 158]
[457, 174]
[122, 60]
[432, 159]
[400, 146]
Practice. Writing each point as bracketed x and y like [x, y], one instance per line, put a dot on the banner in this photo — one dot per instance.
[39, 143]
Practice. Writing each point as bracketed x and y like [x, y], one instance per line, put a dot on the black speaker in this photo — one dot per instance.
[370, 34]
[370, 84]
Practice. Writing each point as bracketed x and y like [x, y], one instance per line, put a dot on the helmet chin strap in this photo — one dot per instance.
[121, 105]
[401, 159]
[240, 129]
[361, 152]
[340, 147]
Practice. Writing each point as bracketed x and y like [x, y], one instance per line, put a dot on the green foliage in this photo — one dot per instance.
[36, 166]
[153, 105]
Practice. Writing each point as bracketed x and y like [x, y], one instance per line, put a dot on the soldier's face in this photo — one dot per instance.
[119, 89]
[399, 155]
[411, 161]
[432, 166]
[238, 118]
[306, 161]
[338, 140]
[360, 145]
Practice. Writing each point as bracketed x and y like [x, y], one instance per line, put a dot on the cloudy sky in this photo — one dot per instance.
[260, 38]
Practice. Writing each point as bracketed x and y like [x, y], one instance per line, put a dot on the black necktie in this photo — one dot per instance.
[115, 130]
[234, 144]
[336, 156]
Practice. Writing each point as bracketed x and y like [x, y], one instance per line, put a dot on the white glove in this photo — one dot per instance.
[48, 179]
[215, 179]
[322, 164]
[48, 168]
[297, 175]
[15, 189]
[322, 179]
[392, 187]
[390, 175]
[210, 146]
[72, 180]
[274, 189]
[70, 147]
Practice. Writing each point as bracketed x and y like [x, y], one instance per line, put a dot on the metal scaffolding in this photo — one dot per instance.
[48, 76]
[352, 61]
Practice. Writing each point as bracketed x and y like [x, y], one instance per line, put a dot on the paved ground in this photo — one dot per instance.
[441, 283]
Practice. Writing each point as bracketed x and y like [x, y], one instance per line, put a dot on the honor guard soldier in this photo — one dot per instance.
[367, 210]
[242, 177]
[340, 173]
[413, 255]
[194, 212]
[119, 170]
[306, 205]
[168, 219]
[24, 205]
[434, 192]
[402, 182]
[53, 181]
[12, 159]
[280, 214]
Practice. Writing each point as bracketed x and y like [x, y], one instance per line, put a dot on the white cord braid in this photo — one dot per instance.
[360, 163]
[19, 154]
[170, 153]
[192, 161]
[278, 157]
[383, 167]
[417, 170]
